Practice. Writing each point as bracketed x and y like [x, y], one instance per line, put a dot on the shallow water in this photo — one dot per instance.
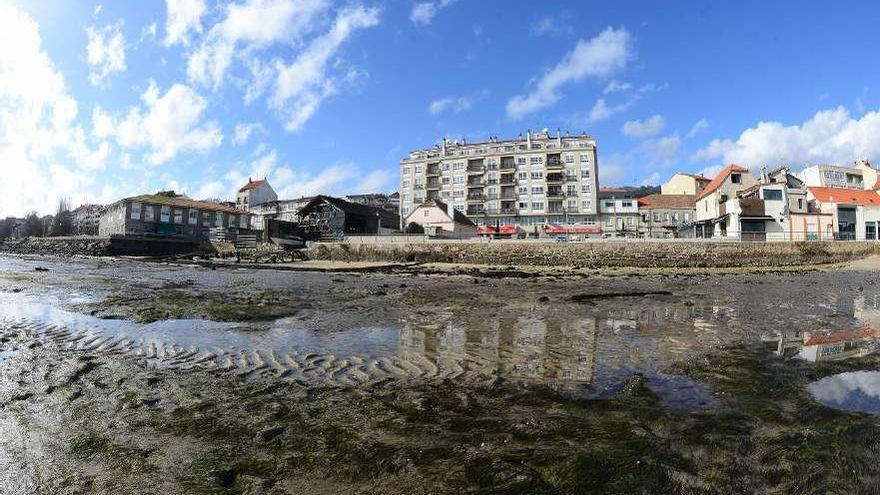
[853, 391]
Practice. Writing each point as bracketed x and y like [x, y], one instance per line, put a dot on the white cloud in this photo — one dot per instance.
[699, 126]
[551, 25]
[423, 13]
[375, 181]
[602, 110]
[38, 132]
[617, 87]
[829, 136]
[303, 85]
[644, 129]
[601, 56]
[652, 180]
[167, 124]
[243, 131]
[254, 24]
[663, 150]
[183, 17]
[455, 104]
[105, 51]
[620, 168]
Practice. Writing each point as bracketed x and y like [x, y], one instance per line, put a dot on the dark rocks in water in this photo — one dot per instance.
[612, 294]
[41, 269]
[543, 299]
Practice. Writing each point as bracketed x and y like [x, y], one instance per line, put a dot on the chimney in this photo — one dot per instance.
[558, 137]
[443, 152]
[529, 139]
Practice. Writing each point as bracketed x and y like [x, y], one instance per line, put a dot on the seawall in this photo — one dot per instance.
[605, 254]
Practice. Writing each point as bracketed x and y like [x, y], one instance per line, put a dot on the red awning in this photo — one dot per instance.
[502, 230]
[572, 229]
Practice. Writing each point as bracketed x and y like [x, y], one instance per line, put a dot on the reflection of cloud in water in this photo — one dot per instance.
[857, 390]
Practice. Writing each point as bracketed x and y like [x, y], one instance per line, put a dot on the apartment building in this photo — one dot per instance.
[528, 182]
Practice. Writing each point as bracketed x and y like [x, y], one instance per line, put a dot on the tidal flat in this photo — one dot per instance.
[121, 376]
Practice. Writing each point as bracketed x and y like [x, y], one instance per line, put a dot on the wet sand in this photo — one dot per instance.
[120, 376]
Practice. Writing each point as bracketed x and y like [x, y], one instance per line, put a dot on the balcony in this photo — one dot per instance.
[476, 183]
[492, 196]
[508, 197]
[492, 211]
[432, 185]
[508, 211]
[554, 193]
[474, 170]
[555, 178]
[475, 211]
[554, 162]
[433, 169]
[508, 164]
[508, 181]
[476, 198]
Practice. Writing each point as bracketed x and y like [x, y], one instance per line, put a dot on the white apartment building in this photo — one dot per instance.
[530, 182]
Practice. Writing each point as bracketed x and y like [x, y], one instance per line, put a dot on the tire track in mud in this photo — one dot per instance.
[309, 367]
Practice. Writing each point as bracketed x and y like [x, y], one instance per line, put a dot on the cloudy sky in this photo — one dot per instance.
[99, 100]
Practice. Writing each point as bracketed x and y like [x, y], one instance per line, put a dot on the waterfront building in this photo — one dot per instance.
[836, 176]
[525, 183]
[710, 214]
[167, 214]
[327, 218]
[255, 192]
[376, 200]
[619, 212]
[286, 210]
[849, 214]
[682, 184]
[666, 215]
[441, 219]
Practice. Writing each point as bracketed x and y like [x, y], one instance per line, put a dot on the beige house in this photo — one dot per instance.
[710, 211]
[441, 219]
[682, 184]
[665, 215]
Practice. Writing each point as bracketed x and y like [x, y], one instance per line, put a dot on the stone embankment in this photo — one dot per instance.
[608, 254]
[58, 246]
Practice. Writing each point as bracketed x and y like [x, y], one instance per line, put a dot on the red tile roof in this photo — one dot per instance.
[845, 196]
[252, 184]
[699, 177]
[720, 178]
[672, 201]
[841, 336]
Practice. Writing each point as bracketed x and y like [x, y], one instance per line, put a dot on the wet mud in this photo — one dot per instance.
[415, 383]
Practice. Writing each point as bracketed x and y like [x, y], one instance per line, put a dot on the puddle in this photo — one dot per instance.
[857, 391]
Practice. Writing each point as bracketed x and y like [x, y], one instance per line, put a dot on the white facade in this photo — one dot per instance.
[534, 181]
[832, 176]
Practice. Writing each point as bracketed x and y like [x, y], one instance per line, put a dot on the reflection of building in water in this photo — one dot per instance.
[866, 309]
[530, 346]
[829, 346]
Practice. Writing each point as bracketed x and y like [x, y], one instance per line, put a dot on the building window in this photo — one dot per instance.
[626, 204]
[585, 158]
[537, 175]
[536, 160]
[571, 189]
[232, 220]
[521, 160]
[585, 174]
[523, 189]
[587, 204]
[418, 169]
[569, 158]
[218, 219]
[772, 195]
[406, 170]
[135, 211]
[657, 217]
[523, 205]
[193, 216]
[687, 217]
[538, 205]
[244, 221]
[522, 175]
[585, 188]
[572, 204]
[538, 190]
[178, 217]
[590, 220]
[736, 178]
[609, 204]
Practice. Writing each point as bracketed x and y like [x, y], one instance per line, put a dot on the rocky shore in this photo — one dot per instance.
[58, 246]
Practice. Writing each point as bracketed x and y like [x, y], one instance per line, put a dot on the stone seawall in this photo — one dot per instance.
[58, 246]
[605, 254]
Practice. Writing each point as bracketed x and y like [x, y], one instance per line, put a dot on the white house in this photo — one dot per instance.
[441, 219]
[255, 192]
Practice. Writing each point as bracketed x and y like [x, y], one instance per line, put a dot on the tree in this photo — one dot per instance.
[414, 228]
[33, 225]
[62, 224]
[6, 226]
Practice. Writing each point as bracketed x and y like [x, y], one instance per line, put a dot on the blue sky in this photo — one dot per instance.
[100, 100]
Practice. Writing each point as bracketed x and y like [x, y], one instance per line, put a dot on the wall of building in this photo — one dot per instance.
[681, 184]
[120, 220]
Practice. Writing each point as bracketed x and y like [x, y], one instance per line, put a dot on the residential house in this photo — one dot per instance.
[682, 184]
[853, 214]
[286, 210]
[618, 212]
[666, 215]
[442, 220]
[835, 176]
[326, 218]
[167, 214]
[85, 219]
[253, 193]
[710, 215]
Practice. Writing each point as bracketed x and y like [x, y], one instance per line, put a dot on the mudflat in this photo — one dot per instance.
[120, 376]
